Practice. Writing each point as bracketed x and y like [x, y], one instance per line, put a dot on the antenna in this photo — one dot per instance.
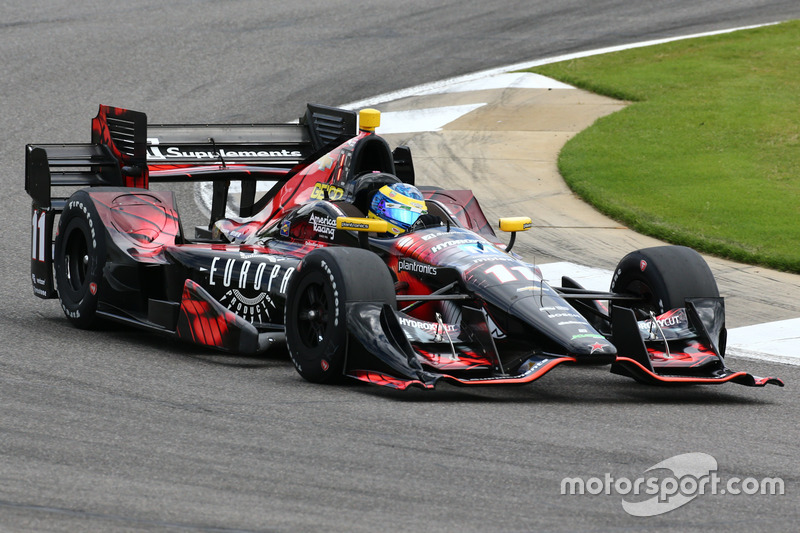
[219, 153]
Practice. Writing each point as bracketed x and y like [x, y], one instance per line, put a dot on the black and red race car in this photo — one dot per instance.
[303, 266]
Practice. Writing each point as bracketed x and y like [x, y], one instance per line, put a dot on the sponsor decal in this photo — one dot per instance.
[85, 211]
[158, 152]
[667, 320]
[407, 265]
[39, 292]
[247, 252]
[354, 225]
[530, 366]
[587, 336]
[285, 227]
[642, 265]
[325, 365]
[37, 283]
[596, 347]
[672, 324]
[565, 315]
[447, 244]
[430, 236]
[247, 275]
[93, 288]
[325, 226]
[614, 278]
[324, 265]
[425, 325]
[251, 309]
[325, 191]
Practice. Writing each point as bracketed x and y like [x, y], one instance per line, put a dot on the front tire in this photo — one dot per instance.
[316, 323]
[79, 258]
[664, 276]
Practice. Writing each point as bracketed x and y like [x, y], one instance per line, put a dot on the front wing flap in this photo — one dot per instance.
[706, 316]
[387, 358]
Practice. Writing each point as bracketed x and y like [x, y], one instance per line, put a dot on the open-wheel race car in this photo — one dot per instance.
[343, 260]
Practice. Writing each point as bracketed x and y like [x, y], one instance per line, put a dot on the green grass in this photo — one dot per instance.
[708, 153]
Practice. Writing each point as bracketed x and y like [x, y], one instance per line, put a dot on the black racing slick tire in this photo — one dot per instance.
[79, 258]
[316, 323]
[664, 276]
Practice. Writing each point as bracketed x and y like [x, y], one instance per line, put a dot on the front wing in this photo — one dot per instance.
[381, 354]
[385, 356]
[706, 318]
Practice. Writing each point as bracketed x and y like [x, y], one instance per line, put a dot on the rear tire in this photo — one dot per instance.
[79, 258]
[316, 322]
[665, 276]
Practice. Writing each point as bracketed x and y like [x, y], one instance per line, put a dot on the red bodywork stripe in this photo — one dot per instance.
[742, 378]
[378, 378]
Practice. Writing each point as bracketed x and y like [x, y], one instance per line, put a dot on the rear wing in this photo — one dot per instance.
[126, 151]
[116, 156]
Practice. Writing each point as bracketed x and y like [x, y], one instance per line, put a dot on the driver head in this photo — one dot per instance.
[399, 204]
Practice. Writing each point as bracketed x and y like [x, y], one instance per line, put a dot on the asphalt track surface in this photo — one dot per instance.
[118, 431]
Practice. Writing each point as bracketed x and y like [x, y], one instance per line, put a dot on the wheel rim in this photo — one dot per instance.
[312, 315]
[76, 260]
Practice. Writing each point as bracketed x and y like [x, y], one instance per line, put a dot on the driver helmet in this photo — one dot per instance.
[399, 204]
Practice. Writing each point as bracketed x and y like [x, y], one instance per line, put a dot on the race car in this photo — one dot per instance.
[339, 257]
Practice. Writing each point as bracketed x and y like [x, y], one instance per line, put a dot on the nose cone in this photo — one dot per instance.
[562, 324]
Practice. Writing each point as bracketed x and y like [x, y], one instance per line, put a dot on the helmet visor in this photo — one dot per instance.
[400, 214]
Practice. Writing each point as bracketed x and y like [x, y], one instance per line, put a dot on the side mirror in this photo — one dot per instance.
[363, 226]
[513, 225]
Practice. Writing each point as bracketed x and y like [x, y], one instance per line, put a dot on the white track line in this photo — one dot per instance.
[422, 120]
[444, 85]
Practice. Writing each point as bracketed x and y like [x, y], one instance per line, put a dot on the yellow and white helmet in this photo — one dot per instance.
[399, 204]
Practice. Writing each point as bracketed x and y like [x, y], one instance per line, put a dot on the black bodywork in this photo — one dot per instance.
[446, 301]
